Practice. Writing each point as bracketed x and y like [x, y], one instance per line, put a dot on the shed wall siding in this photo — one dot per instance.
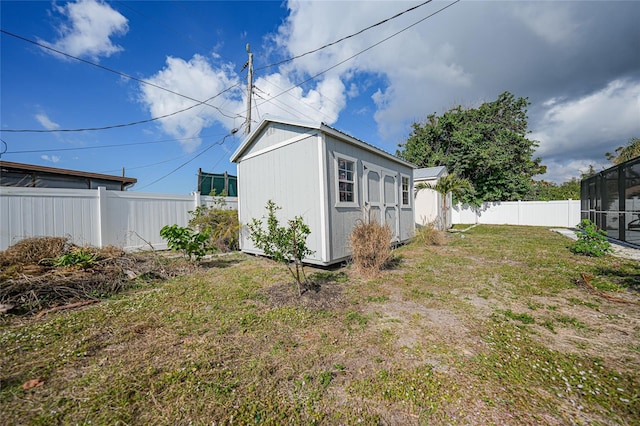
[274, 134]
[289, 176]
[343, 219]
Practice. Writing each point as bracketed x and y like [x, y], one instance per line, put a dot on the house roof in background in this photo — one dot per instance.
[429, 172]
[31, 168]
[325, 128]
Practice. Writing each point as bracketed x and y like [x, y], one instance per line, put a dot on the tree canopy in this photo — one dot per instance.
[625, 153]
[546, 191]
[486, 145]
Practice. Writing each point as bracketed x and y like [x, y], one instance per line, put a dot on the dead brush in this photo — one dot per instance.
[370, 247]
[429, 235]
[33, 250]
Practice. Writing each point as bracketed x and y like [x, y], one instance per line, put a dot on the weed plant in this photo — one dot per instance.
[430, 235]
[370, 247]
[592, 241]
[222, 223]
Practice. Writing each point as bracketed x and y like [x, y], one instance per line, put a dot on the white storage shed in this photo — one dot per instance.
[331, 179]
[428, 202]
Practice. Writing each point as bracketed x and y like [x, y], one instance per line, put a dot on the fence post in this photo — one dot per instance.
[519, 207]
[196, 199]
[102, 216]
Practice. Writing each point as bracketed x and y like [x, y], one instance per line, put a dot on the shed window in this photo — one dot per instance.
[346, 180]
[405, 191]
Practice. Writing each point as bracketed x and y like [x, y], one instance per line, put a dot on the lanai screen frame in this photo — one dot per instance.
[611, 199]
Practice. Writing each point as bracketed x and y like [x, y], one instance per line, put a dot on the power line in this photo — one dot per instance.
[4, 149]
[234, 131]
[364, 50]
[101, 146]
[198, 102]
[345, 38]
[115, 126]
[284, 106]
[144, 166]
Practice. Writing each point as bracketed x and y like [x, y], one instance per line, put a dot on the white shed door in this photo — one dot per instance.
[372, 196]
[381, 198]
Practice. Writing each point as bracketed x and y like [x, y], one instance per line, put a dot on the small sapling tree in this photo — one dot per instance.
[192, 244]
[284, 244]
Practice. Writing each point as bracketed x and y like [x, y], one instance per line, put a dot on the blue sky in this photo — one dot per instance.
[577, 62]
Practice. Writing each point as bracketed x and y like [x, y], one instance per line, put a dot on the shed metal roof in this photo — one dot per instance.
[322, 127]
[429, 172]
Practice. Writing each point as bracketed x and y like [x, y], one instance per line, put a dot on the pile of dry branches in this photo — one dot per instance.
[32, 279]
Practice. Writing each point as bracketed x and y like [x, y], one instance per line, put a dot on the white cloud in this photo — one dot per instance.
[590, 123]
[467, 54]
[555, 25]
[576, 133]
[51, 159]
[322, 103]
[199, 80]
[46, 122]
[564, 169]
[89, 29]
[409, 63]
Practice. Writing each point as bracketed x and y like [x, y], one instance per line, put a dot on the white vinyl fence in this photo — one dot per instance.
[96, 217]
[564, 213]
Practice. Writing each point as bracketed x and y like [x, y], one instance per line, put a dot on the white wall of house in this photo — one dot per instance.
[95, 217]
[561, 213]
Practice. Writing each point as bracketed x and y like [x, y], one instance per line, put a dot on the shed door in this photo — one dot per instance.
[372, 196]
[381, 198]
[391, 209]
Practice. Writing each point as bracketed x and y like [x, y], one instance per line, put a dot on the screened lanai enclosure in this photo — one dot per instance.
[611, 199]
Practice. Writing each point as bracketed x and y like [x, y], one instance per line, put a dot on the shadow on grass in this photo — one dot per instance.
[627, 275]
[220, 262]
[325, 277]
[393, 263]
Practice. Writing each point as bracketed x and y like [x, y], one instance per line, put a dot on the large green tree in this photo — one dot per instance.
[486, 145]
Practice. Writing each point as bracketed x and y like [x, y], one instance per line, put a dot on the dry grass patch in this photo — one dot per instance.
[370, 247]
[31, 251]
[430, 235]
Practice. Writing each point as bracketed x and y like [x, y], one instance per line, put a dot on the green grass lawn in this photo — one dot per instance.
[487, 329]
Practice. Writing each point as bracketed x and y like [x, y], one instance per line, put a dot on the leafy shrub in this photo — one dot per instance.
[284, 244]
[78, 257]
[192, 244]
[370, 247]
[592, 241]
[223, 223]
[430, 235]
